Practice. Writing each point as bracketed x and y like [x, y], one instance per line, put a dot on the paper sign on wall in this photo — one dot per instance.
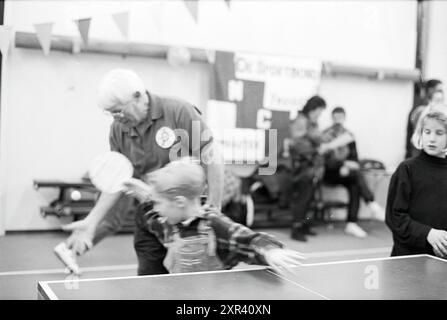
[267, 91]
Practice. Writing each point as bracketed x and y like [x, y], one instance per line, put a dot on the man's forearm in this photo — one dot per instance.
[102, 207]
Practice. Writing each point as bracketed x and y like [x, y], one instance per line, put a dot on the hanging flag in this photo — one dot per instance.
[84, 27]
[122, 22]
[193, 8]
[43, 32]
[227, 2]
[5, 40]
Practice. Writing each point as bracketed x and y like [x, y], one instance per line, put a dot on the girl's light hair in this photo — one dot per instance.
[118, 86]
[438, 113]
[183, 177]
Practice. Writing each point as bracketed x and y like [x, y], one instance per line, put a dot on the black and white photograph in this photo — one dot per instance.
[223, 154]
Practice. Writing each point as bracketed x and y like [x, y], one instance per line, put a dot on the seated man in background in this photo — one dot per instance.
[342, 167]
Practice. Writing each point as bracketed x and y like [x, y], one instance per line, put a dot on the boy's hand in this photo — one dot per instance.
[138, 189]
[282, 260]
[438, 240]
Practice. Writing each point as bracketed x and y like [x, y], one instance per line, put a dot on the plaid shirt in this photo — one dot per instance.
[234, 242]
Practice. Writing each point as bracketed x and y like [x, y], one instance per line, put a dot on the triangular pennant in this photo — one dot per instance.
[193, 8]
[84, 27]
[122, 22]
[227, 2]
[5, 40]
[43, 32]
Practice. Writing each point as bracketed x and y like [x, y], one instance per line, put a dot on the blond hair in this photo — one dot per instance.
[183, 177]
[438, 114]
[118, 86]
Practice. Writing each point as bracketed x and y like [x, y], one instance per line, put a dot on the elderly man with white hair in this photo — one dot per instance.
[150, 131]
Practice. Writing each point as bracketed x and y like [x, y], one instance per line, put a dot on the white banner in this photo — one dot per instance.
[238, 144]
[243, 146]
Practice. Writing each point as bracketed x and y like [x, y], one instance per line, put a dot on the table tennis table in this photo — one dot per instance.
[406, 277]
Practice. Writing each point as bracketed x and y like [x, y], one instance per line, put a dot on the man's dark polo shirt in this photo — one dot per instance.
[144, 151]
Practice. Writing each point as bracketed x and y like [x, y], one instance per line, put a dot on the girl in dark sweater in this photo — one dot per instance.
[416, 210]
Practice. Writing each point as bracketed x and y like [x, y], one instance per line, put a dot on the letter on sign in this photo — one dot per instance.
[263, 119]
[235, 90]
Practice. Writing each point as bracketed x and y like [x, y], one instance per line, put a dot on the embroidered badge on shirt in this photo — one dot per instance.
[165, 137]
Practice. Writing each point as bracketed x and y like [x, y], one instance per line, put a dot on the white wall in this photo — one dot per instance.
[436, 59]
[376, 113]
[50, 127]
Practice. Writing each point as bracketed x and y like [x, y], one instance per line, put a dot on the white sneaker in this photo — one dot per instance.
[67, 257]
[377, 210]
[354, 229]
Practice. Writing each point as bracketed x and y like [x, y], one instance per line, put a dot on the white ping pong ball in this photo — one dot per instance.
[75, 195]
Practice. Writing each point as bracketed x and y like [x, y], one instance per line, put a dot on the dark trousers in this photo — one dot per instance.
[357, 188]
[298, 192]
[150, 252]
[301, 196]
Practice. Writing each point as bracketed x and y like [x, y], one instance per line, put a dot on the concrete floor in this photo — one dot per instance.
[27, 257]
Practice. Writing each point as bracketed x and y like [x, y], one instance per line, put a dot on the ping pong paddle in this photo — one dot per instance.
[109, 171]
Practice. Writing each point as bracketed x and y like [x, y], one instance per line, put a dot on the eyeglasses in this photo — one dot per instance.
[119, 114]
[116, 114]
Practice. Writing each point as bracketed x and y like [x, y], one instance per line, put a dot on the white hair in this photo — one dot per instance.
[118, 86]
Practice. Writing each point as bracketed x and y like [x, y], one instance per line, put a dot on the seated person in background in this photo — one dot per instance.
[201, 238]
[342, 167]
[417, 203]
